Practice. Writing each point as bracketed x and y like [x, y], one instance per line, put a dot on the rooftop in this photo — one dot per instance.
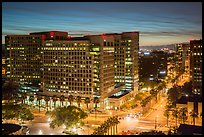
[185, 129]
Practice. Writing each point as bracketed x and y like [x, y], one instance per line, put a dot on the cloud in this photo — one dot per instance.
[151, 19]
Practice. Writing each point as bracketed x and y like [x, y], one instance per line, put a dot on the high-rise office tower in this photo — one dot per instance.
[182, 54]
[67, 68]
[24, 57]
[89, 66]
[126, 47]
[77, 67]
[196, 65]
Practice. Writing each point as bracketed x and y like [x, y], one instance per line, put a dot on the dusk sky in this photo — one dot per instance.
[158, 23]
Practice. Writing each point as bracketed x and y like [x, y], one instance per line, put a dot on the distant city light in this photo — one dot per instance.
[162, 72]
[151, 78]
[146, 53]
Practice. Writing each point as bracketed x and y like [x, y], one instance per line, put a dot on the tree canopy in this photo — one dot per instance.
[174, 94]
[10, 90]
[68, 116]
[11, 111]
[152, 133]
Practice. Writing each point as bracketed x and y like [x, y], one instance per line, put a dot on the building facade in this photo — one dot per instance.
[89, 66]
[126, 48]
[196, 65]
[24, 58]
[182, 54]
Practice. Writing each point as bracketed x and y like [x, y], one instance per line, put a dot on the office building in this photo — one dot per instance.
[126, 47]
[90, 66]
[24, 58]
[182, 54]
[196, 65]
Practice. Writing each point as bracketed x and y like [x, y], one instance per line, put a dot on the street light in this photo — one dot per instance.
[48, 119]
[40, 132]
[74, 129]
[155, 126]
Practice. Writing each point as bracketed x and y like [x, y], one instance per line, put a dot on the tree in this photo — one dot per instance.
[110, 121]
[167, 114]
[101, 130]
[78, 100]
[70, 99]
[54, 99]
[175, 114]
[187, 88]
[96, 101]
[115, 123]
[87, 101]
[152, 133]
[11, 111]
[10, 90]
[62, 98]
[47, 99]
[194, 115]
[23, 97]
[138, 97]
[25, 114]
[173, 94]
[107, 124]
[183, 114]
[39, 97]
[31, 99]
[68, 116]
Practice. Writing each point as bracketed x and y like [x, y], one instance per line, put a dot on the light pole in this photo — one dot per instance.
[155, 123]
[88, 127]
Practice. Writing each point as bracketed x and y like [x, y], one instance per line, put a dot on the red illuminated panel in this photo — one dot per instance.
[104, 37]
[43, 37]
[51, 33]
[69, 37]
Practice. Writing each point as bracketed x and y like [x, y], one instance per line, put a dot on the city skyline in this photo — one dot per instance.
[158, 23]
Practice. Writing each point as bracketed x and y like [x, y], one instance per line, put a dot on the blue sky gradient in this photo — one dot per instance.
[159, 23]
